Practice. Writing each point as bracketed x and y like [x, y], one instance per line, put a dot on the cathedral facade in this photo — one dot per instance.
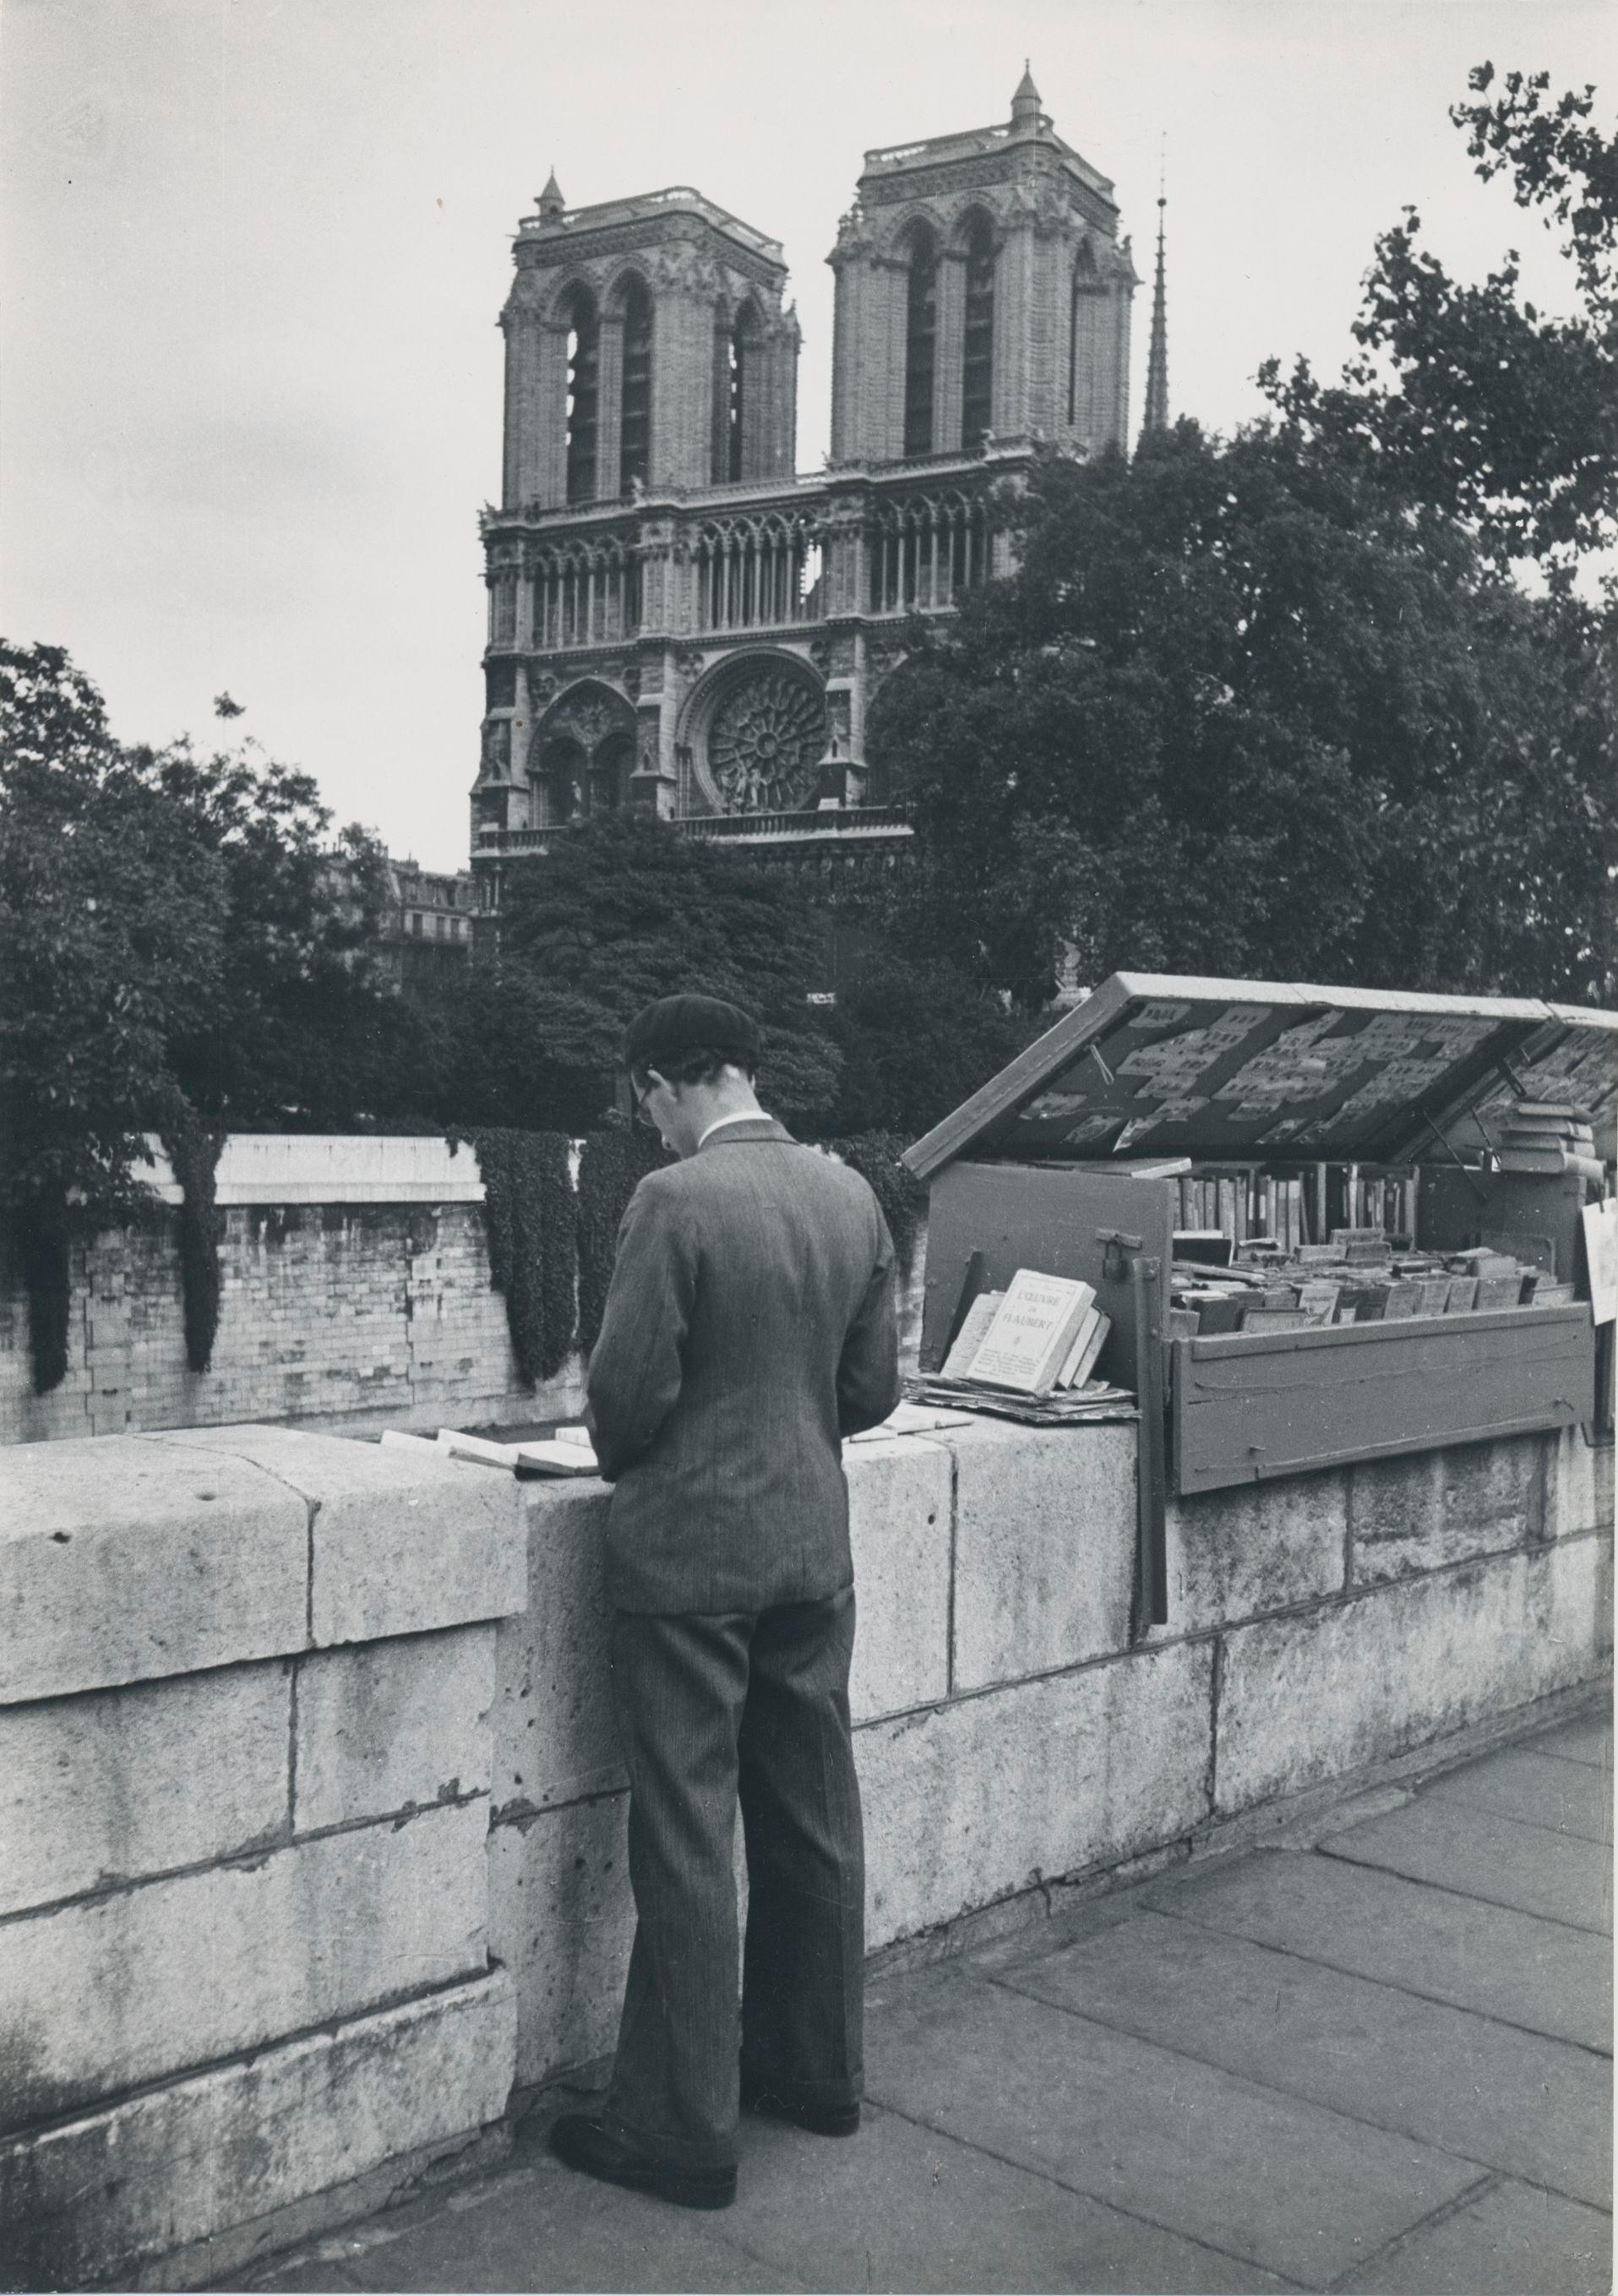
[678, 621]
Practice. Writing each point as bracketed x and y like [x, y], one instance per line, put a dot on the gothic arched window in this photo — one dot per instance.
[920, 341]
[977, 354]
[1083, 317]
[736, 380]
[583, 364]
[634, 436]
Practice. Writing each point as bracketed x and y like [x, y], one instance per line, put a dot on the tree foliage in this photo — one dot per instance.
[1469, 397]
[112, 918]
[1243, 711]
[624, 910]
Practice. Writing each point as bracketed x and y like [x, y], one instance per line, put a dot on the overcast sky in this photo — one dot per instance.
[254, 251]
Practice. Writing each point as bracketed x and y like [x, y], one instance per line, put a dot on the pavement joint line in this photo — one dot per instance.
[1429, 2223]
[1603, 1768]
[1298, 2096]
[1387, 1984]
[1584, 1929]
[1564, 1832]
[1082, 2193]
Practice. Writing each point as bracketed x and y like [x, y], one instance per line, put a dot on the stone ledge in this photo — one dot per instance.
[122, 1558]
[104, 2197]
[127, 1558]
[400, 1542]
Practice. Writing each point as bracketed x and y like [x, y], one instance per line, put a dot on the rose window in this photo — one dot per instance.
[765, 745]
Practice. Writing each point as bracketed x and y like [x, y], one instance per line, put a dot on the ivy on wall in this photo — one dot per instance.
[193, 1150]
[611, 1166]
[530, 1216]
[875, 1157]
[40, 1239]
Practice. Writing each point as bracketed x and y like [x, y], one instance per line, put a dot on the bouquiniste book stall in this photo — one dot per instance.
[1325, 1225]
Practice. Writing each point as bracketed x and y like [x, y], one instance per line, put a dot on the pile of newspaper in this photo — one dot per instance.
[1029, 1353]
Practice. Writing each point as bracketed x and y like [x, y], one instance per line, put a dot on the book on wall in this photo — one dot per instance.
[569, 1452]
[1087, 1346]
[1031, 1333]
[974, 1330]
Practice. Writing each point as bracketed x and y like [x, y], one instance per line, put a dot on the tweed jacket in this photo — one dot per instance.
[749, 1326]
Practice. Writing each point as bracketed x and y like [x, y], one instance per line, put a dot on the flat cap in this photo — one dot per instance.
[683, 1024]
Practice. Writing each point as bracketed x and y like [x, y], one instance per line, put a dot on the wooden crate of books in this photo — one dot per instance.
[1357, 1241]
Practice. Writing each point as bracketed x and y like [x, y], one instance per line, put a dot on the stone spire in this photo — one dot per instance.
[1026, 102]
[552, 207]
[1157, 358]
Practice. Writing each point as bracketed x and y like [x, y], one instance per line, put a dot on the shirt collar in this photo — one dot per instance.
[749, 1115]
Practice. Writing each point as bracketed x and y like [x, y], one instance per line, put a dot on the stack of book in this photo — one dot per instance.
[1029, 1353]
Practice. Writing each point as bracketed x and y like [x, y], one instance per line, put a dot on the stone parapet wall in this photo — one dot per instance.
[1011, 1741]
[354, 1295]
[245, 1757]
[312, 1822]
[357, 1314]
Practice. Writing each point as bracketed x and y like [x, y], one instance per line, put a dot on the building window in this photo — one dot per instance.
[1083, 338]
[921, 342]
[583, 364]
[634, 456]
[415, 923]
[735, 377]
[977, 356]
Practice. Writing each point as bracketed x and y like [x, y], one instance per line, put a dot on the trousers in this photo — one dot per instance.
[749, 1707]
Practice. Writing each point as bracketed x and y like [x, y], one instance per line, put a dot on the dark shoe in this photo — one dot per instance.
[583, 2143]
[819, 2120]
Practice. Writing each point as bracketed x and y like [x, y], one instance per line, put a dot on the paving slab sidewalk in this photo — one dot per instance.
[1376, 2059]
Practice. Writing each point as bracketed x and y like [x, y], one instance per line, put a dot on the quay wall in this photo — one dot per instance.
[312, 1858]
[354, 1294]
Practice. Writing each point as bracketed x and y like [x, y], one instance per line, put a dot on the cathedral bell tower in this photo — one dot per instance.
[981, 292]
[680, 622]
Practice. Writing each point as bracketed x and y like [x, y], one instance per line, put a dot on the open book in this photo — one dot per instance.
[569, 1452]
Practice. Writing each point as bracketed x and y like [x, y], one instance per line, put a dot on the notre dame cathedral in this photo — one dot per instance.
[679, 622]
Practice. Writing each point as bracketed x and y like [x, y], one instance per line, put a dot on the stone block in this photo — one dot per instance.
[124, 1557]
[554, 1738]
[106, 1788]
[1045, 1548]
[393, 1726]
[1318, 1695]
[1578, 1483]
[1445, 1506]
[401, 1543]
[109, 1992]
[1263, 1546]
[561, 1919]
[94, 2198]
[973, 1800]
[899, 1528]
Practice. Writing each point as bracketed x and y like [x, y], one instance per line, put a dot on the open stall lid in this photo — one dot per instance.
[1242, 1071]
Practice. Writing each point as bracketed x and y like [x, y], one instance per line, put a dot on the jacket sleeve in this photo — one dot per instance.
[868, 1374]
[634, 1372]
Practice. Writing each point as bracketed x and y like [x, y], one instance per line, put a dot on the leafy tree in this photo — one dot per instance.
[1470, 398]
[916, 1041]
[111, 915]
[624, 910]
[301, 1026]
[1243, 711]
[112, 926]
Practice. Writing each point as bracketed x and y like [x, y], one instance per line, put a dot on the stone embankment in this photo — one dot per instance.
[312, 1825]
